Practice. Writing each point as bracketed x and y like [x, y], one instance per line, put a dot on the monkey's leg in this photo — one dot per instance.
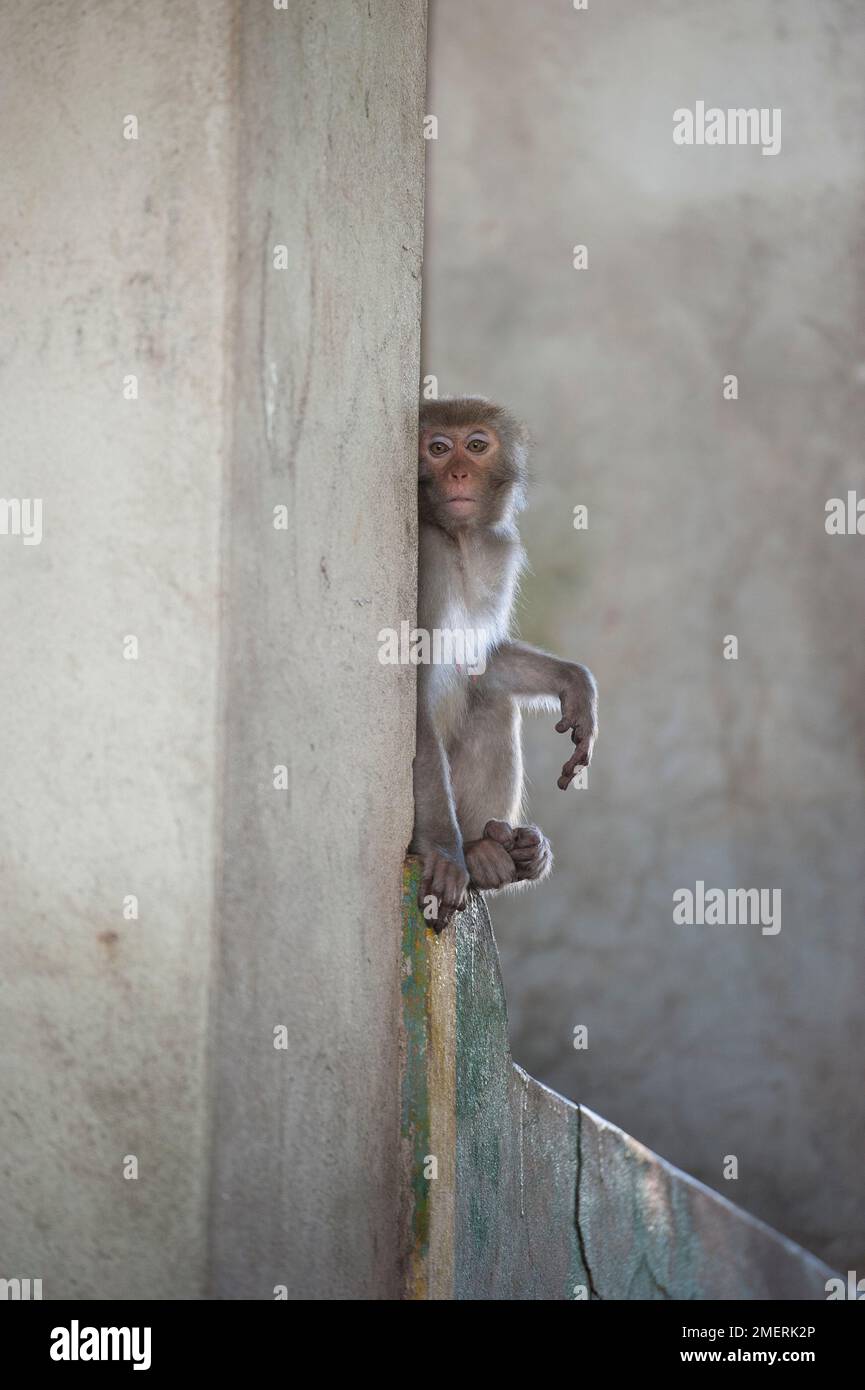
[437, 835]
[487, 777]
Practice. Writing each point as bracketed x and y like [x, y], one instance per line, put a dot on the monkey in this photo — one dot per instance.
[468, 771]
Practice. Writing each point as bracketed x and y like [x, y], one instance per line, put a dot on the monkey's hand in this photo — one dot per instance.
[489, 861]
[444, 879]
[531, 853]
[579, 699]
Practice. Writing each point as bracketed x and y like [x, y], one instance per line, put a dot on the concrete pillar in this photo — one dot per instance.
[325, 372]
[144, 248]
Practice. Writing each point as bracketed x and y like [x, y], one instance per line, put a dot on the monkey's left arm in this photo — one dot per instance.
[536, 677]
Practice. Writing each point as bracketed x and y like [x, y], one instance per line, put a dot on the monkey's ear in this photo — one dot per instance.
[512, 430]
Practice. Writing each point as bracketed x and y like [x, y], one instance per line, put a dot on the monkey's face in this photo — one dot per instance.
[466, 476]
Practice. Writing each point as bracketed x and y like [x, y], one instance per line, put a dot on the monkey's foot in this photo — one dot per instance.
[531, 853]
[489, 861]
[444, 881]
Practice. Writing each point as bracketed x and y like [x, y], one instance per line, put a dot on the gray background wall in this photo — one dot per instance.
[257, 387]
[706, 518]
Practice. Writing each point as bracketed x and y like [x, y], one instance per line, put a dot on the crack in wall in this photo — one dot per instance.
[593, 1292]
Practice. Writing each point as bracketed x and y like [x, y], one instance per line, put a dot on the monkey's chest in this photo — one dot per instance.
[472, 608]
[463, 613]
[461, 638]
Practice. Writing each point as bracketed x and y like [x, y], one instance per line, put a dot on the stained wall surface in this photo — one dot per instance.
[264, 380]
[114, 255]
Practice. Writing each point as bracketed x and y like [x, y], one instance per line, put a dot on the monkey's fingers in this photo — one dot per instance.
[490, 865]
[429, 905]
[442, 912]
[569, 771]
[448, 883]
[429, 900]
[443, 919]
[583, 734]
[527, 839]
[500, 831]
[446, 914]
[538, 866]
[528, 835]
[575, 725]
[579, 758]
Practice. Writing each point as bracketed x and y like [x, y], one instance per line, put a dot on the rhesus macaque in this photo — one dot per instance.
[468, 775]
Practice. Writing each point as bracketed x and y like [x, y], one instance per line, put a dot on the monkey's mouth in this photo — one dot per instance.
[461, 502]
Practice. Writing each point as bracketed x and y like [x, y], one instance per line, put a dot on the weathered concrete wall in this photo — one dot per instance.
[325, 369]
[114, 256]
[535, 1197]
[258, 387]
[706, 518]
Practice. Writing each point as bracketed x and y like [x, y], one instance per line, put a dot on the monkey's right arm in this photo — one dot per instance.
[537, 678]
[437, 835]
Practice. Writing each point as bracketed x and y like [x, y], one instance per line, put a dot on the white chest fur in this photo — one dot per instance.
[467, 587]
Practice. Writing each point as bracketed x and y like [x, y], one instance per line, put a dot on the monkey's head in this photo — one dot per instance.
[471, 463]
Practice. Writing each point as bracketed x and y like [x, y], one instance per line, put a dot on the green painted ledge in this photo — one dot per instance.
[513, 1192]
[428, 1097]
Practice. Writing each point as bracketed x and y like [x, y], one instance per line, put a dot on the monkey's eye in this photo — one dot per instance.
[478, 446]
[438, 447]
